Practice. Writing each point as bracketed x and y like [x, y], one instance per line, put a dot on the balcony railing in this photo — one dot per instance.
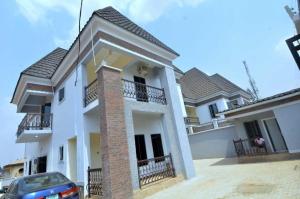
[143, 92]
[155, 169]
[192, 121]
[37, 121]
[246, 147]
[138, 91]
[90, 92]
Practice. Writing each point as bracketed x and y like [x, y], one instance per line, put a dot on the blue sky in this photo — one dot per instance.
[213, 35]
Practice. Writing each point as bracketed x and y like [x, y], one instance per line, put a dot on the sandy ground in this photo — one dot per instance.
[226, 178]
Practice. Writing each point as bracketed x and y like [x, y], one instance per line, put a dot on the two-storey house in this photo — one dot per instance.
[109, 104]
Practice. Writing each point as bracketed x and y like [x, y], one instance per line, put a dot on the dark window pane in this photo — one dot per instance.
[158, 150]
[213, 109]
[140, 147]
[61, 94]
[140, 89]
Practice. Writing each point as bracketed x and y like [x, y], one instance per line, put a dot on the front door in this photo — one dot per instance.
[275, 135]
[42, 165]
[253, 130]
[140, 89]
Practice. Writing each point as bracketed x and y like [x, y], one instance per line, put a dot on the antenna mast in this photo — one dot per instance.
[254, 89]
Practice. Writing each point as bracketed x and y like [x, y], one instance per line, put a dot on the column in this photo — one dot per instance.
[114, 145]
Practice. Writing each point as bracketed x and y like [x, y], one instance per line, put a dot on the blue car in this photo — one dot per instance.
[42, 186]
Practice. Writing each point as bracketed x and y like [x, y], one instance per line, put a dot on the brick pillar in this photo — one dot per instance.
[114, 145]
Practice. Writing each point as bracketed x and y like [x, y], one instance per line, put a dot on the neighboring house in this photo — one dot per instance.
[205, 96]
[276, 119]
[14, 169]
[113, 109]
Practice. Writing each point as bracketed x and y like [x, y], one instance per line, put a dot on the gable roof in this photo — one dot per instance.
[225, 84]
[113, 16]
[197, 85]
[46, 66]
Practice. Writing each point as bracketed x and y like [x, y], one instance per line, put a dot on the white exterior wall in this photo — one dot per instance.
[203, 110]
[152, 78]
[38, 149]
[147, 124]
[288, 118]
[215, 143]
[181, 100]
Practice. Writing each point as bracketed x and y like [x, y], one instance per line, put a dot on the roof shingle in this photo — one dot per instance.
[46, 66]
[197, 85]
[112, 15]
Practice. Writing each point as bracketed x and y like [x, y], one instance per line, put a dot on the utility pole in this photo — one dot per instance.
[294, 15]
[254, 90]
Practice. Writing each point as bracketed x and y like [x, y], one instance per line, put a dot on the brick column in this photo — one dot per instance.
[114, 145]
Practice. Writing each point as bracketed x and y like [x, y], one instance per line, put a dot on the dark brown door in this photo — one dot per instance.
[140, 147]
[140, 89]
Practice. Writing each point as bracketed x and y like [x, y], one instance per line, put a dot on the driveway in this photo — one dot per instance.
[226, 178]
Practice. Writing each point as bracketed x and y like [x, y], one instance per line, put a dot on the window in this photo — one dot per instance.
[158, 150]
[140, 147]
[213, 109]
[233, 103]
[61, 94]
[61, 153]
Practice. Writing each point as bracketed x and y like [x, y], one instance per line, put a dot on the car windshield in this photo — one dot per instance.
[39, 182]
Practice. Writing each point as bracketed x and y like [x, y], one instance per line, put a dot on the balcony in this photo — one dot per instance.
[34, 127]
[138, 91]
[142, 92]
[90, 92]
[191, 121]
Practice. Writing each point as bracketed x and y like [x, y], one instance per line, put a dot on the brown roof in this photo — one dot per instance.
[113, 16]
[225, 84]
[196, 85]
[47, 65]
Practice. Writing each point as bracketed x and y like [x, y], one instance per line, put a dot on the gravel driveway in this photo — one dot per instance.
[226, 178]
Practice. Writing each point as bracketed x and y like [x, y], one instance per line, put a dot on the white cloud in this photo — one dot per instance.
[141, 11]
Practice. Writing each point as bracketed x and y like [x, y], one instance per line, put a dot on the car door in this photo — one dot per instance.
[12, 191]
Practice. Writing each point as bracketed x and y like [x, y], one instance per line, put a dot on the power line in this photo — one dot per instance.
[79, 28]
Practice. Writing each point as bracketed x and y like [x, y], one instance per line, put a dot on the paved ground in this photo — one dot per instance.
[226, 178]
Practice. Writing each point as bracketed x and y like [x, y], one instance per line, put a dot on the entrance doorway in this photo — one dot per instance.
[253, 131]
[72, 146]
[275, 135]
[41, 164]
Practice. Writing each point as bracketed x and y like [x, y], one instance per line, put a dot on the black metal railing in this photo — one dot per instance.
[143, 92]
[34, 121]
[246, 147]
[94, 186]
[155, 169]
[90, 92]
[192, 121]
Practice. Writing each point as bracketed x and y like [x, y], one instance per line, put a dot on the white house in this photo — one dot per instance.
[222, 121]
[113, 109]
[204, 96]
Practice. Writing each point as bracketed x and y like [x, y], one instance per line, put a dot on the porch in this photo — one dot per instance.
[152, 156]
